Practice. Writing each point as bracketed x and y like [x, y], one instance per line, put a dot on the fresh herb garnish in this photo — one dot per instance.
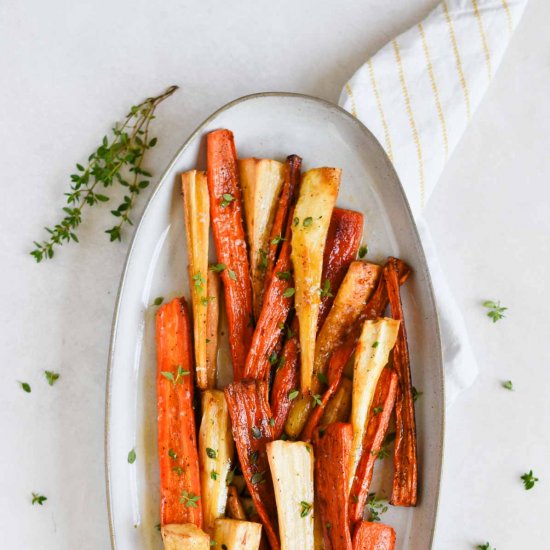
[25, 386]
[496, 311]
[218, 268]
[158, 301]
[529, 480]
[199, 280]
[283, 275]
[272, 358]
[256, 433]
[189, 499]
[253, 457]
[305, 508]
[363, 251]
[416, 394]
[51, 377]
[296, 221]
[325, 290]
[375, 345]
[230, 476]
[231, 274]
[211, 453]
[262, 263]
[485, 546]
[132, 456]
[214, 475]
[278, 239]
[119, 161]
[178, 379]
[228, 198]
[382, 453]
[257, 478]
[322, 377]
[38, 499]
[289, 292]
[375, 507]
[272, 421]
[178, 470]
[308, 221]
[293, 394]
[172, 454]
[205, 300]
[317, 400]
[377, 410]
[508, 385]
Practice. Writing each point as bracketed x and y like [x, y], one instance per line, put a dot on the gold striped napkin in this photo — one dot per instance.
[417, 95]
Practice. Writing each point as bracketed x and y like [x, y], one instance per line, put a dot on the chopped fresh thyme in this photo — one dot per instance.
[218, 268]
[211, 453]
[132, 456]
[416, 394]
[496, 311]
[51, 377]
[38, 499]
[289, 292]
[189, 499]
[325, 290]
[308, 221]
[25, 386]
[375, 507]
[293, 394]
[363, 251]
[305, 508]
[256, 433]
[227, 199]
[529, 480]
[508, 385]
[158, 301]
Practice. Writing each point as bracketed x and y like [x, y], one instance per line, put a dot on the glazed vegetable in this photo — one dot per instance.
[286, 201]
[331, 484]
[318, 192]
[291, 464]
[212, 325]
[405, 478]
[197, 224]
[250, 420]
[379, 419]
[227, 226]
[215, 455]
[373, 536]
[261, 183]
[356, 288]
[285, 381]
[338, 408]
[235, 509]
[276, 307]
[186, 536]
[236, 534]
[179, 465]
[371, 356]
[343, 239]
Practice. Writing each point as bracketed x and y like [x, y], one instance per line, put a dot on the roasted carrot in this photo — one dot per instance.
[343, 240]
[286, 380]
[288, 196]
[250, 420]
[331, 481]
[229, 239]
[405, 477]
[379, 418]
[275, 309]
[336, 367]
[373, 536]
[180, 486]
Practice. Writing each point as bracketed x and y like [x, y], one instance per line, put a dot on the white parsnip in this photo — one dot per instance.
[371, 356]
[196, 204]
[235, 534]
[261, 183]
[185, 536]
[311, 220]
[291, 465]
[215, 455]
[213, 283]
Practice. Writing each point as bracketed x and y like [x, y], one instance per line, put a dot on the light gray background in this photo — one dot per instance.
[70, 69]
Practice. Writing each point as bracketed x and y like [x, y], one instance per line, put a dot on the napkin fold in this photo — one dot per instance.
[417, 95]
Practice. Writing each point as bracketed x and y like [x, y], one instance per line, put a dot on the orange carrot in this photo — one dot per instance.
[286, 200]
[379, 418]
[179, 465]
[331, 481]
[373, 536]
[286, 380]
[252, 430]
[405, 477]
[336, 366]
[227, 226]
[343, 240]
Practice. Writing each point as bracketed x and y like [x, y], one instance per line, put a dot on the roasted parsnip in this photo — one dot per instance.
[180, 489]
[405, 477]
[196, 205]
[318, 192]
[235, 534]
[184, 536]
[371, 356]
[261, 183]
[291, 464]
[338, 408]
[373, 536]
[212, 324]
[235, 508]
[229, 239]
[215, 455]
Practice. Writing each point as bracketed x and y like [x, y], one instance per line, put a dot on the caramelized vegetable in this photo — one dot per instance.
[405, 478]
[371, 356]
[373, 536]
[261, 182]
[215, 455]
[379, 418]
[291, 464]
[235, 509]
[186, 536]
[331, 482]
[343, 239]
[227, 226]
[250, 419]
[212, 325]
[238, 535]
[180, 488]
[197, 224]
[311, 219]
[338, 408]
[286, 380]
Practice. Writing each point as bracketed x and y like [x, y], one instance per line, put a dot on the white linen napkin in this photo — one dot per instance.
[417, 95]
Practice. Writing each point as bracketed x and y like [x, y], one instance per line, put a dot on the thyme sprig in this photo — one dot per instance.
[119, 160]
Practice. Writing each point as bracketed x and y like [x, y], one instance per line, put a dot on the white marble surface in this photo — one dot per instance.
[69, 69]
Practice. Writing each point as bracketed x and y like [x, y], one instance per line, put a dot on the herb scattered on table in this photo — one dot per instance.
[38, 499]
[51, 377]
[508, 385]
[25, 386]
[158, 301]
[132, 456]
[529, 480]
[363, 251]
[116, 161]
[416, 394]
[485, 546]
[496, 311]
